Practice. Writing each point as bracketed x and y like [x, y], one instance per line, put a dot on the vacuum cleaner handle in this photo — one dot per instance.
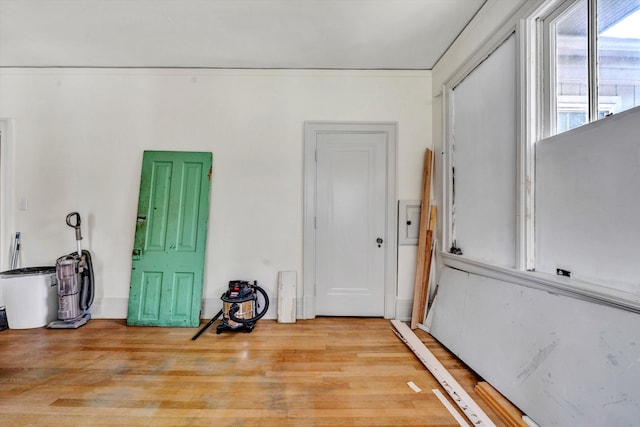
[76, 225]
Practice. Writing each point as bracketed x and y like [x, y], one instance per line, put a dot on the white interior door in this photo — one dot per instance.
[350, 223]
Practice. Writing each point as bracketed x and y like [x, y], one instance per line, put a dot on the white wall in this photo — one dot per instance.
[78, 137]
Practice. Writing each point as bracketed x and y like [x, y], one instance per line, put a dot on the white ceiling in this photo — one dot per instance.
[298, 34]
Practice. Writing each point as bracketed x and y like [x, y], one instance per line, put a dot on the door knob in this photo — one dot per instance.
[379, 241]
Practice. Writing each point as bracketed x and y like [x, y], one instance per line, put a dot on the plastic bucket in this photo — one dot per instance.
[30, 296]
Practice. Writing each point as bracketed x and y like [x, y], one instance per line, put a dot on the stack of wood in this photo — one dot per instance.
[508, 413]
[425, 245]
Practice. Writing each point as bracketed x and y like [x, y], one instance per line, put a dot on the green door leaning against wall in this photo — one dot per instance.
[170, 241]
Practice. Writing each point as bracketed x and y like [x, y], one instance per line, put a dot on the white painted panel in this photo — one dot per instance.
[484, 134]
[287, 297]
[588, 202]
[461, 421]
[563, 361]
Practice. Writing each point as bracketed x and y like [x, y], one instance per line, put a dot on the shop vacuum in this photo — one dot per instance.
[76, 286]
[239, 308]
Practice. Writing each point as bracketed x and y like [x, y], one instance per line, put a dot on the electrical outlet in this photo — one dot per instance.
[563, 272]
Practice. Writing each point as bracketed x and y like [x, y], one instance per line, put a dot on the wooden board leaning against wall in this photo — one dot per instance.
[425, 244]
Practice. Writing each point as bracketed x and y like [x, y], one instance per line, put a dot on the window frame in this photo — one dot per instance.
[547, 64]
[552, 12]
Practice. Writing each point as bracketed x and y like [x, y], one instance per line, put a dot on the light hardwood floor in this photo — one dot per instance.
[321, 372]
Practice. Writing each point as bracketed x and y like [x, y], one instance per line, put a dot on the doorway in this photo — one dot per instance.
[349, 220]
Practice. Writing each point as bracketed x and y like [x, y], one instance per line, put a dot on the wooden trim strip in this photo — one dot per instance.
[450, 408]
[468, 406]
[507, 412]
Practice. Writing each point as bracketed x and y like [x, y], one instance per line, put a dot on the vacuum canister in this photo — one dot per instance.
[68, 288]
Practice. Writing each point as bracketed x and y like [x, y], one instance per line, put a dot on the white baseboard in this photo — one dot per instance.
[109, 308]
[116, 308]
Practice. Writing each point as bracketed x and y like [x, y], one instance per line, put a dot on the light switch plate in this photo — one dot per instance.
[23, 203]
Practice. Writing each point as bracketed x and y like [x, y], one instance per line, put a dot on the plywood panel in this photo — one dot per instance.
[587, 202]
[485, 159]
[562, 361]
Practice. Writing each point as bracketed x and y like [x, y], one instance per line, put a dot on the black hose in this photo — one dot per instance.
[205, 327]
[235, 307]
[87, 289]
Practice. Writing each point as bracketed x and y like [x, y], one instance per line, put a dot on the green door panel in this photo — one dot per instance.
[158, 217]
[170, 239]
[189, 207]
[150, 295]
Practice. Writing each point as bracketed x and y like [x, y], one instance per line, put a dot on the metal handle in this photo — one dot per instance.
[76, 225]
[379, 241]
[77, 217]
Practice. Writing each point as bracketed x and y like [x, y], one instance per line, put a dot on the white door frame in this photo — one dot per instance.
[6, 191]
[311, 130]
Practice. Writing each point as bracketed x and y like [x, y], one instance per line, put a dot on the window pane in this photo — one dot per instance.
[568, 120]
[571, 67]
[618, 55]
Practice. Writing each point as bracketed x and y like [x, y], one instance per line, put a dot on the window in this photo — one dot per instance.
[580, 62]
[594, 61]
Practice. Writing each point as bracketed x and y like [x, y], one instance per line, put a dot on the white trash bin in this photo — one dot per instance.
[30, 296]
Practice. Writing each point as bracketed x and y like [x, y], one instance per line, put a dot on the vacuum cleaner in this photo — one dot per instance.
[76, 286]
[239, 308]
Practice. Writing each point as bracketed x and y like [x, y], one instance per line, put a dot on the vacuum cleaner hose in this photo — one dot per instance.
[235, 307]
[88, 285]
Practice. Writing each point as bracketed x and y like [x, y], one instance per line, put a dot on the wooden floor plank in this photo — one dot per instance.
[321, 372]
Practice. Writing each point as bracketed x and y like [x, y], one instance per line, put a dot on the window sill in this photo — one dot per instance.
[558, 285]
